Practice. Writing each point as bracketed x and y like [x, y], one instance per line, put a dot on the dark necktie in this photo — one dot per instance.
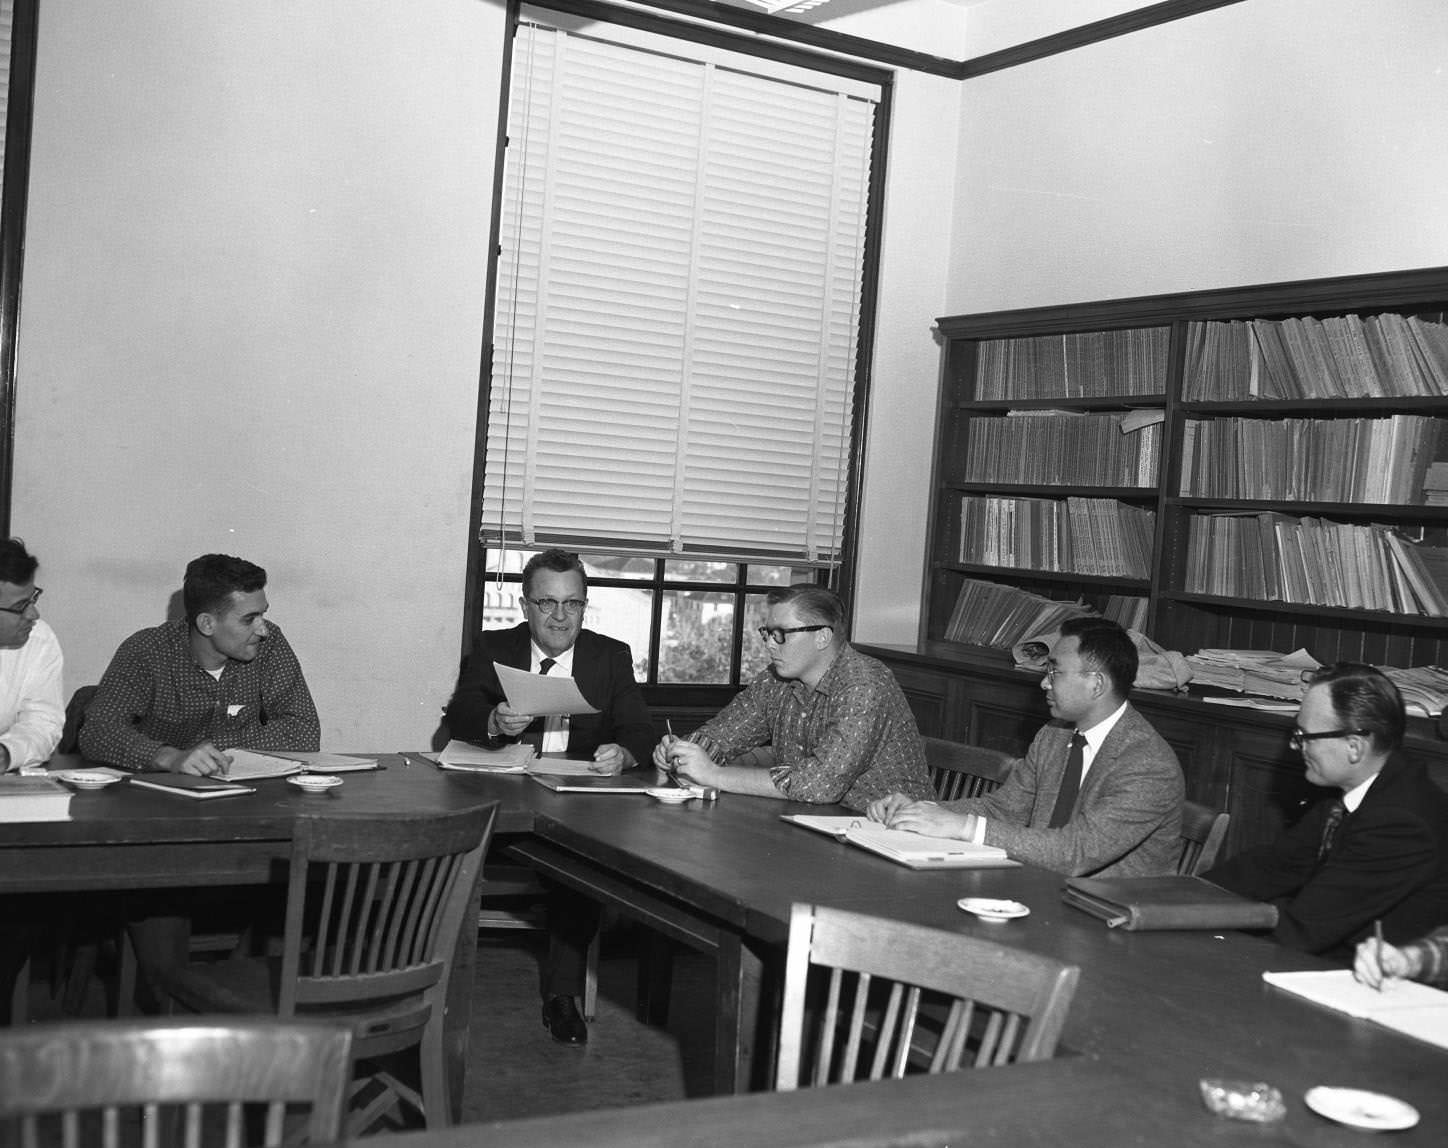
[1070, 782]
[1330, 828]
[547, 664]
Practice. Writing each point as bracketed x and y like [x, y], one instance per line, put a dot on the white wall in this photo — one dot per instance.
[253, 301]
[1254, 143]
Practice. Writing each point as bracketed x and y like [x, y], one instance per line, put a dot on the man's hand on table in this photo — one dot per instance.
[686, 762]
[609, 758]
[204, 760]
[900, 812]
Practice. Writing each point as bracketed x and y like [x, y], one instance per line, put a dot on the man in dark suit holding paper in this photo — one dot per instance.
[1375, 850]
[619, 736]
[1099, 793]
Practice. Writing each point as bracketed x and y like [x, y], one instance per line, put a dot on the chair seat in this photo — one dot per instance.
[252, 986]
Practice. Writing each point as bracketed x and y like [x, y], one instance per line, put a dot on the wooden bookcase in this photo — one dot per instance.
[1178, 613]
[1234, 759]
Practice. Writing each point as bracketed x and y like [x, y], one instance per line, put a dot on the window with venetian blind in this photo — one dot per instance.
[678, 300]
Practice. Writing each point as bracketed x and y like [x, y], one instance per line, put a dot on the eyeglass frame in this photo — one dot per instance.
[768, 632]
[19, 608]
[1051, 673]
[1298, 736]
[572, 607]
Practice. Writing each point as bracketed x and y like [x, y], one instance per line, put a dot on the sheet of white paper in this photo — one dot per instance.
[541, 695]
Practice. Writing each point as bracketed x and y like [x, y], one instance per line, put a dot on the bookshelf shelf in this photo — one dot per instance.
[1230, 410]
[1063, 576]
[1307, 609]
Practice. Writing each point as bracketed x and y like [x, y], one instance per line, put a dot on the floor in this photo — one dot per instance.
[516, 1069]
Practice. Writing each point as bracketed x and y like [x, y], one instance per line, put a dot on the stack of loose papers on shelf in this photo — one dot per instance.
[1424, 688]
[1263, 672]
[1404, 1006]
[914, 850]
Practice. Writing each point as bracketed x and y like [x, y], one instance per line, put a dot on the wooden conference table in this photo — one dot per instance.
[1154, 1013]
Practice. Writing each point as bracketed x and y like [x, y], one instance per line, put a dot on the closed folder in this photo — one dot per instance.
[1138, 903]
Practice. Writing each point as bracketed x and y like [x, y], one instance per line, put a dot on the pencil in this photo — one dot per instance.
[1378, 941]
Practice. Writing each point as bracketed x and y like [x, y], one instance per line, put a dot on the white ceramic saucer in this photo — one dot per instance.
[671, 796]
[991, 909]
[86, 778]
[315, 782]
[1371, 1111]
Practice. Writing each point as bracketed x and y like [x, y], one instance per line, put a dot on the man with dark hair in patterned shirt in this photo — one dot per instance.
[823, 724]
[177, 696]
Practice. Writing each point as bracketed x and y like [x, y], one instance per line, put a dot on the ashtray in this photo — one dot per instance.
[1371, 1111]
[671, 796]
[315, 782]
[86, 778]
[1244, 1100]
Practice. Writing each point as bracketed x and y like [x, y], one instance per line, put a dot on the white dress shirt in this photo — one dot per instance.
[32, 710]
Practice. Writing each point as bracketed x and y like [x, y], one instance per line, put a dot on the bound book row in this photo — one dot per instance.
[1343, 357]
[1064, 448]
[1382, 460]
[998, 616]
[1314, 561]
[1093, 364]
[1097, 536]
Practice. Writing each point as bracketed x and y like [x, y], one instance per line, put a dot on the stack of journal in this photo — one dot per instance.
[913, 850]
[1136, 903]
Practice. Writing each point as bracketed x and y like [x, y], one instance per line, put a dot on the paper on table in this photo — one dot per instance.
[248, 765]
[541, 695]
[512, 758]
[324, 762]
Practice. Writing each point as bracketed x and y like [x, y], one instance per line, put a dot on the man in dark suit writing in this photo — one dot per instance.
[552, 641]
[1377, 849]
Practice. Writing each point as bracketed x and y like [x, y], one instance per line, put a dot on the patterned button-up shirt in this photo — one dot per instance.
[154, 694]
[849, 740]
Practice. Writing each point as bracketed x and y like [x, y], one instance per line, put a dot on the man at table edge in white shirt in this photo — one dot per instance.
[31, 721]
[32, 710]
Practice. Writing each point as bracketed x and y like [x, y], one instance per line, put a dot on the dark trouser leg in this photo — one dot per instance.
[573, 922]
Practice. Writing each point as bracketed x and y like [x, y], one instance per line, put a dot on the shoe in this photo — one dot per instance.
[562, 1019]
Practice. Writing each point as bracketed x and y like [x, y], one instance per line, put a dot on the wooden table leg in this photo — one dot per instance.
[743, 1043]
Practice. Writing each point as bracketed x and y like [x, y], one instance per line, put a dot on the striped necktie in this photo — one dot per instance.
[1330, 828]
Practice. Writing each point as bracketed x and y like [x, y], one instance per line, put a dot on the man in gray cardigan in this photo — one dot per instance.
[1099, 793]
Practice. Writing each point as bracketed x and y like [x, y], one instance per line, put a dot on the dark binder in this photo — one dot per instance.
[1139, 903]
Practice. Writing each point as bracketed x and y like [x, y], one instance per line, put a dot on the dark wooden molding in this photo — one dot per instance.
[1093, 33]
[20, 103]
[827, 40]
[1427, 286]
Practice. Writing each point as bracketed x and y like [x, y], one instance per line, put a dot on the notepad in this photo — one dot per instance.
[470, 758]
[634, 782]
[1407, 1007]
[190, 785]
[913, 850]
[248, 765]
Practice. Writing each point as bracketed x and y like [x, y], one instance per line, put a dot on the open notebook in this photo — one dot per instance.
[913, 850]
[1404, 1006]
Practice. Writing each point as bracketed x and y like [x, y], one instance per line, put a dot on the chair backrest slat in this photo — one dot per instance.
[919, 999]
[958, 771]
[190, 1082]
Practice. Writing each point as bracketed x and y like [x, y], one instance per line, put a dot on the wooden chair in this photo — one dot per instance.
[1203, 832]
[95, 1082]
[375, 907]
[998, 1004]
[959, 771]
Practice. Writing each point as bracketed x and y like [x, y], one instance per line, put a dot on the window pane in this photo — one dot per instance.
[780, 575]
[508, 561]
[502, 604]
[617, 566]
[700, 571]
[698, 628]
[623, 614]
[754, 659]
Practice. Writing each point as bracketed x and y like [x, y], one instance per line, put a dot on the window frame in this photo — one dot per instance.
[841, 576]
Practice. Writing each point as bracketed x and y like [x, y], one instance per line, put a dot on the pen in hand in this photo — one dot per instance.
[1378, 950]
